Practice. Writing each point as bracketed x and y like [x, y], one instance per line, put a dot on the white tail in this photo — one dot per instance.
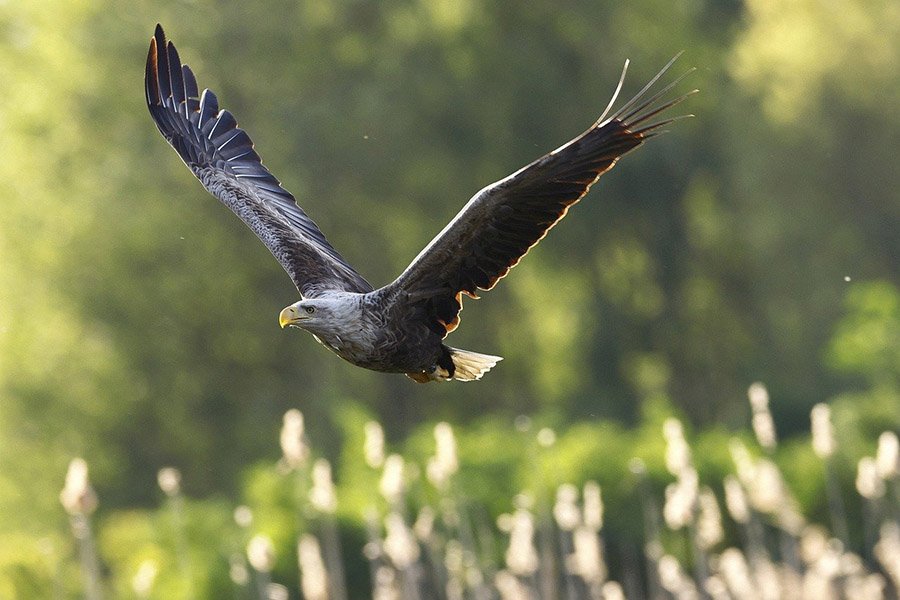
[470, 366]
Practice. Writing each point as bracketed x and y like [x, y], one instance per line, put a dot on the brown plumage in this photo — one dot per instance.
[399, 327]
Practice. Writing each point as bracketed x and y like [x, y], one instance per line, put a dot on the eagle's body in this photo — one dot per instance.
[380, 331]
[398, 328]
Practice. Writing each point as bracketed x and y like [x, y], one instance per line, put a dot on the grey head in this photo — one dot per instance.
[333, 313]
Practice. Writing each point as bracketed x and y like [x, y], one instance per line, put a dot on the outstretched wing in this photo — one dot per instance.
[222, 157]
[498, 226]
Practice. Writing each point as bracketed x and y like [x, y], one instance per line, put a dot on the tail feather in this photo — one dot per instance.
[470, 366]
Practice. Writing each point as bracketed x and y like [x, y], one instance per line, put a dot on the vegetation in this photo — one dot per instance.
[756, 242]
[425, 525]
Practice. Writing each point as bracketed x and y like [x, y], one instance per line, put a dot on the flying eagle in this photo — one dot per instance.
[398, 328]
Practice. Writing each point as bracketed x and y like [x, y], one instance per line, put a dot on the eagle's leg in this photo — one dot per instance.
[419, 377]
[443, 370]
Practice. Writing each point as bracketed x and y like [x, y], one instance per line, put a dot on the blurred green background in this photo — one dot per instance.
[138, 317]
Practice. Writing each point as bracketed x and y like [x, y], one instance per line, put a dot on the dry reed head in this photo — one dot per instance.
[313, 575]
[399, 544]
[678, 453]
[735, 572]
[237, 570]
[424, 525]
[736, 500]
[546, 437]
[77, 495]
[276, 591]
[709, 519]
[565, 510]
[169, 480]
[511, 588]
[763, 424]
[294, 449]
[243, 516]
[681, 499]
[385, 585]
[261, 553]
[887, 550]
[758, 396]
[373, 444]
[392, 484]
[823, 441]
[868, 483]
[612, 590]
[322, 495]
[673, 578]
[144, 578]
[444, 464]
[593, 505]
[743, 462]
[587, 561]
[887, 457]
[521, 555]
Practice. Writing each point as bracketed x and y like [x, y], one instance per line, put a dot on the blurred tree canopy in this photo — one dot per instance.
[757, 241]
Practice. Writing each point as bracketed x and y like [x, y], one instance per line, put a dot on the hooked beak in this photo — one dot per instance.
[289, 316]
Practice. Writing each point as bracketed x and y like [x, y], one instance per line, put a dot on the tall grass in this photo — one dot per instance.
[744, 537]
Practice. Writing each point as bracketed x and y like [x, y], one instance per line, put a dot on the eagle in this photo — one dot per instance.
[398, 328]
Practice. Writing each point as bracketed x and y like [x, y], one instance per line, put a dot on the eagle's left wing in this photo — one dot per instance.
[222, 157]
[498, 226]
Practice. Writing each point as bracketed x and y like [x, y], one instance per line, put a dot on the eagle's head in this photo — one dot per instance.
[316, 315]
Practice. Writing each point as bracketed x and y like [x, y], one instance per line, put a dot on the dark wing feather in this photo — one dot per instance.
[222, 157]
[498, 226]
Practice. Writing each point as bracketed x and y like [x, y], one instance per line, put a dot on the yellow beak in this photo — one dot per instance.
[288, 316]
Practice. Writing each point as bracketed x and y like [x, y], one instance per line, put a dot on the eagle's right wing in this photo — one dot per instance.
[498, 226]
[222, 157]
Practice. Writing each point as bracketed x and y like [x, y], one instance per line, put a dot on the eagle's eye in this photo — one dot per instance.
[310, 310]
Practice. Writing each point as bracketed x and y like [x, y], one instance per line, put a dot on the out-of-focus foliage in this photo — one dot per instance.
[867, 340]
[799, 54]
[757, 241]
[866, 345]
[203, 548]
